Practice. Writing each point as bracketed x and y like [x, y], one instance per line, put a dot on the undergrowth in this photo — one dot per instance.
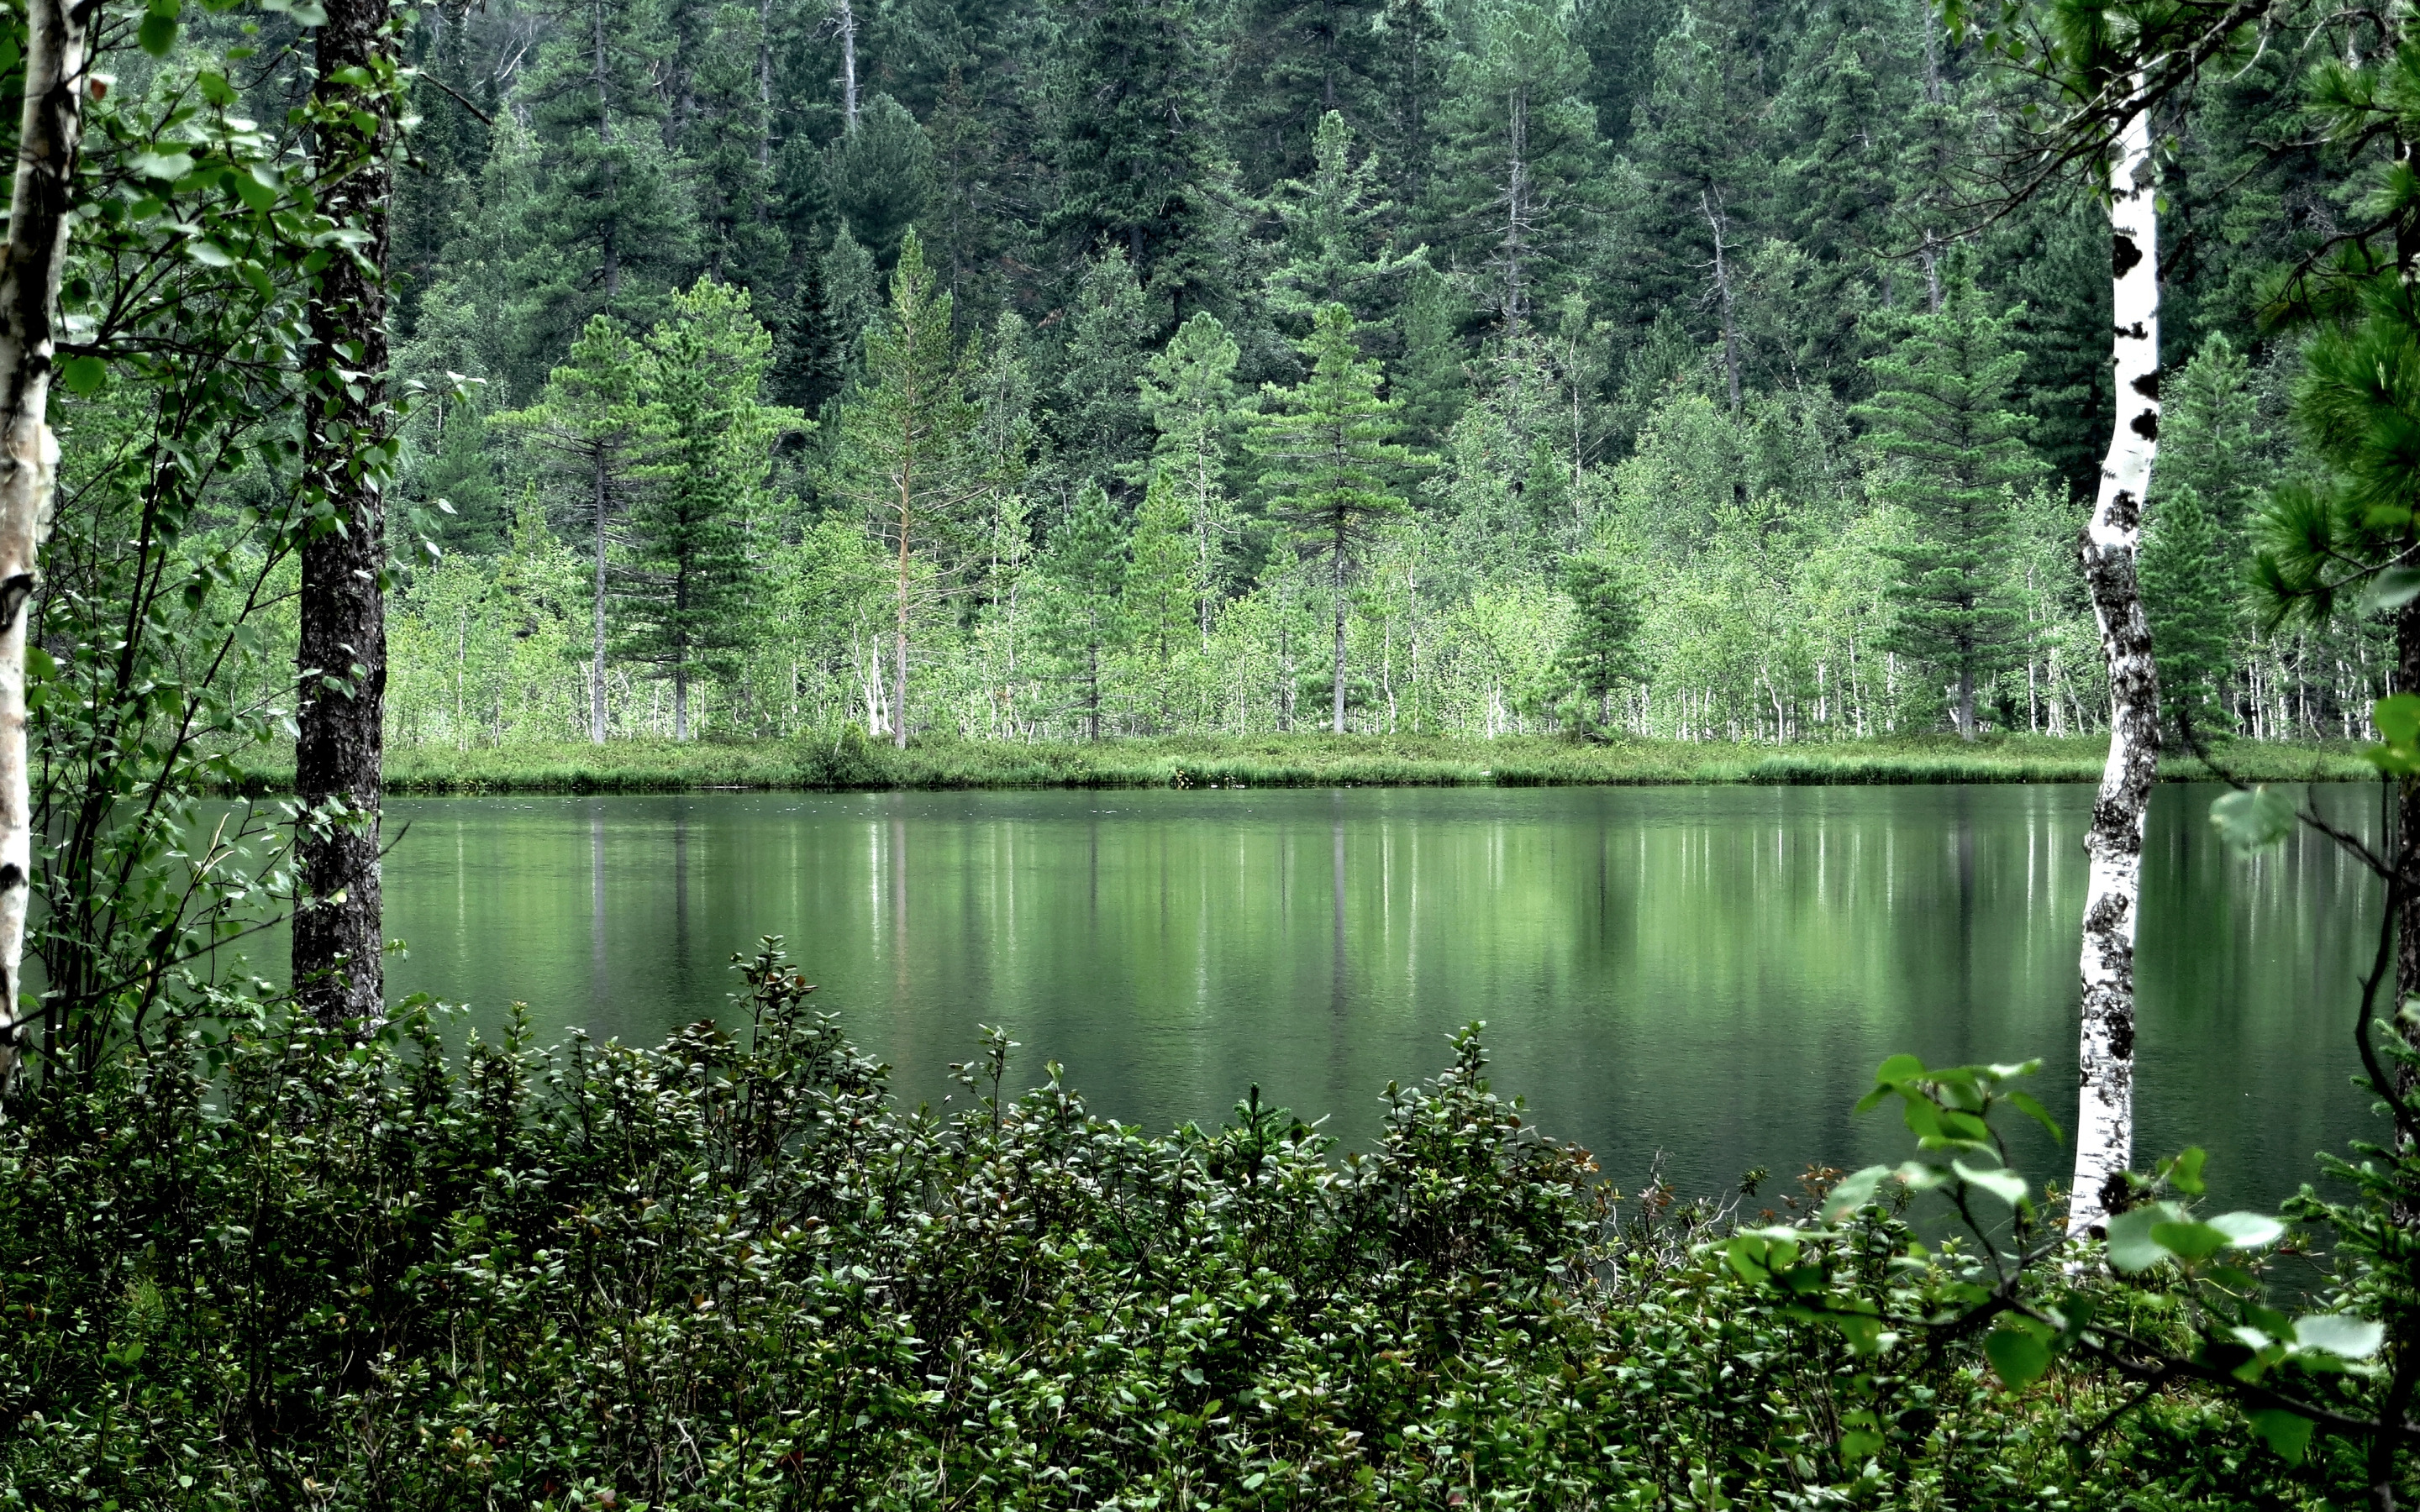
[254, 1265]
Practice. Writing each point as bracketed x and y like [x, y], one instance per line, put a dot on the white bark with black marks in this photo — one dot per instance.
[2104, 1133]
[59, 62]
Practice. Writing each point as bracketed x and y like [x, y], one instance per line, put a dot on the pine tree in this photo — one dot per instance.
[1337, 242]
[687, 602]
[1084, 565]
[1162, 590]
[881, 177]
[618, 232]
[1518, 163]
[1954, 457]
[1697, 144]
[586, 428]
[907, 454]
[1136, 148]
[728, 140]
[1328, 460]
[1102, 432]
[1189, 390]
[1602, 653]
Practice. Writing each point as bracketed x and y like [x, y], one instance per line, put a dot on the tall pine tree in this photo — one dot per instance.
[1953, 455]
[1328, 464]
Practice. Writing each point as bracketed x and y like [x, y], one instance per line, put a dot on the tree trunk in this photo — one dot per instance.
[1966, 700]
[1337, 690]
[342, 652]
[899, 637]
[844, 22]
[597, 627]
[57, 56]
[2104, 1135]
[1720, 223]
[605, 139]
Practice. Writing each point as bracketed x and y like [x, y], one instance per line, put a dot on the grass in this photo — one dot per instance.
[1295, 760]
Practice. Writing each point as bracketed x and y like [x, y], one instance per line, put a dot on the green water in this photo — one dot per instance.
[1707, 974]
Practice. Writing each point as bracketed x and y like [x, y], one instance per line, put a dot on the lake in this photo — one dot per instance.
[1703, 975]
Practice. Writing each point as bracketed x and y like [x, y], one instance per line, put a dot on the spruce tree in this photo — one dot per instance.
[1953, 456]
[687, 601]
[1083, 565]
[1328, 461]
[1189, 390]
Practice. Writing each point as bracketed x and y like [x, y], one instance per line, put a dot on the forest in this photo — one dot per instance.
[1696, 371]
[1574, 378]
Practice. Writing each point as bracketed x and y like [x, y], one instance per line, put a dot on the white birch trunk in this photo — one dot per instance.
[2104, 1134]
[57, 68]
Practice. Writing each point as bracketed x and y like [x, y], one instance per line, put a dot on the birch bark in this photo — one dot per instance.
[2104, 1135]
[58, 61]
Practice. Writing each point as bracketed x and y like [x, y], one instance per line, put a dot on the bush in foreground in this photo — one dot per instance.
[254, 1265]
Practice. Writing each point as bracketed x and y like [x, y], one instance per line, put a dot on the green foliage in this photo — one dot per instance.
[685, 580]
[1941, 423]
[1602, 656]
[1328, 460]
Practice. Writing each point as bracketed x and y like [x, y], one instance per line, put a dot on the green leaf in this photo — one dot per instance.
[168, 165]
[2132, 1248]
[2188, 1240]
[2025, 1104]
[157, 35]
[2347, 1338]
[2184, 1172]
[2253, 821]
[2004, 1185]
[1899, 1068]
[2020, 1358]
[2248, 1230]
[2289, 1433]
[249, 189]
[2397, 717]
[2393, 588]
[83, 375]
[1853, 1192]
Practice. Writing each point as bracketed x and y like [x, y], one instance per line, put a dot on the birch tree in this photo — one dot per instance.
[2104, 1118]
[59, 40]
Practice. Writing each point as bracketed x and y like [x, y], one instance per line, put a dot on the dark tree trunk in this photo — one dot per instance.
[337, 935]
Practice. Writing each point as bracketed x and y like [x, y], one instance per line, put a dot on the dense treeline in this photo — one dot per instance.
[1069, 369]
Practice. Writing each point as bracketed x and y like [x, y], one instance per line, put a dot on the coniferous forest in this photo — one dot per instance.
[1702, 371]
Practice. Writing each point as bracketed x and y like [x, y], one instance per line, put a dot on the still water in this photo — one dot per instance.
[1707, 976]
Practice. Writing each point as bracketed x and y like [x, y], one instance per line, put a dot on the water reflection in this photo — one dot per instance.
[1707, 972]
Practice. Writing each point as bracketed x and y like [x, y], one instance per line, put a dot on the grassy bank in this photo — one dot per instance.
[1293, 761]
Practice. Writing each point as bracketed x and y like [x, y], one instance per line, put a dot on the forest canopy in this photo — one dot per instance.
[1262, 366]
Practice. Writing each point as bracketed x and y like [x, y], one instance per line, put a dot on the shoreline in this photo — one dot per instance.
[1295, 761]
